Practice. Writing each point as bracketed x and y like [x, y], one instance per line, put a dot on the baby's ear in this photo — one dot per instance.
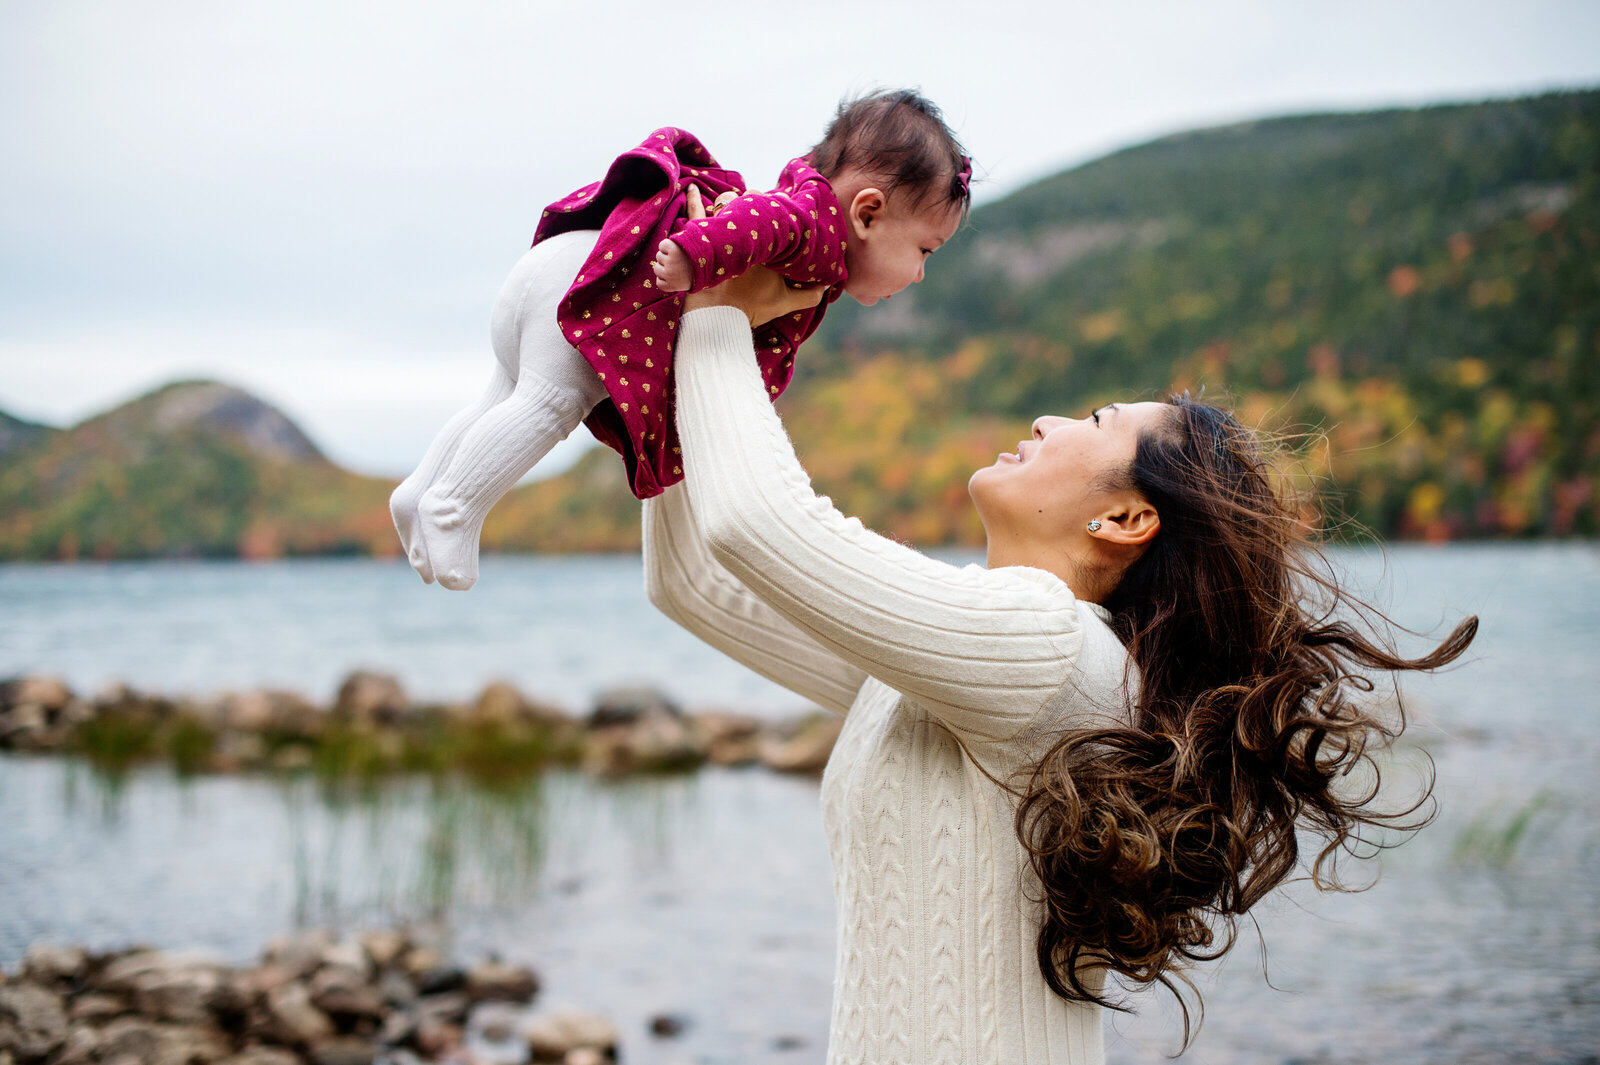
[863, 211]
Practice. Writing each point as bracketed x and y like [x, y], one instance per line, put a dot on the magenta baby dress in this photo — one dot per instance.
[626, 327]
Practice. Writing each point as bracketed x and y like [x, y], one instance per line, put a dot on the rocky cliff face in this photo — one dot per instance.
[213, 409]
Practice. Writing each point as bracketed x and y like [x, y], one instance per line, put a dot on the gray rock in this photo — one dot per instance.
[260, 1055]
[396, 989]
[624, 706]
[398, 1027]
[350, 955]
[49, 693]
[451, 1007]
[298, 954]
[552, 1036]
[345, 1050]
[368, 698]
[296, 1020]
[495, 980]
[32, 1022]
[807, 750]
[441, 980]
[383, 946]
[435, 1037]
[47, 964]
[727, 739]
[130, 1037]
[653, 740]
[181, 995]
[183, 1045]
[81, 1044]
[95, 1007]
[342, 993]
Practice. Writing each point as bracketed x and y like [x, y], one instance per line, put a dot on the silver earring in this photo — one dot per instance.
[1094, 525]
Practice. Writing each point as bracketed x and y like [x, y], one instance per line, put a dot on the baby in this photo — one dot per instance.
[583, 329]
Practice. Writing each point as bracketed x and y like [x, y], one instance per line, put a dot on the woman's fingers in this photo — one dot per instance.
[697, 205]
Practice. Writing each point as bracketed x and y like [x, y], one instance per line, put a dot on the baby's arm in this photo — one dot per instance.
[759, 228]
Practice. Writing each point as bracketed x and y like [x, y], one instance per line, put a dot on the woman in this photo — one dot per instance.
[1088, 757]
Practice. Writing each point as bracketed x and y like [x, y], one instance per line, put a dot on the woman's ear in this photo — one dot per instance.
[863, 211]
[1132, 522]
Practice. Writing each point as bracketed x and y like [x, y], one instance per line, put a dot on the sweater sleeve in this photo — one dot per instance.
[779, 229]
[689, 586]
[982, 650]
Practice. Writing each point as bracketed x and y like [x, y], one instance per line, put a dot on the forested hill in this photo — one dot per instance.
[1420, 289]
[1422, 285]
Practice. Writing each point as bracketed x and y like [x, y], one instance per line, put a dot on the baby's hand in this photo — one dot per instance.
[671, 264]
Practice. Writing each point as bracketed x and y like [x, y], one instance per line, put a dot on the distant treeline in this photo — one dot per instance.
[1415, 293]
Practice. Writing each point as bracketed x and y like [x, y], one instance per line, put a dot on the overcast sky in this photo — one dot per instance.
[317, 199]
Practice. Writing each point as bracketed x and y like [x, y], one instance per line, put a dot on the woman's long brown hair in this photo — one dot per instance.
[1247, 666]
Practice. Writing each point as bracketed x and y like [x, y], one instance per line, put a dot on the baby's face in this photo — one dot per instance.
[887, 255]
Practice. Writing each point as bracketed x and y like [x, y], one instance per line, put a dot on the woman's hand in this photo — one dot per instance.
[760, 293]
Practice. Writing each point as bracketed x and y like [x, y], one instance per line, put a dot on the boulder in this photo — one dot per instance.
[384, 946]
[32, 1021]
[807, 750]
[727, 739]
[246, 711]
[175, 987]
[653, 740]
[150, 1043]
[298, 953]
[294, 1018]
[552, 1036]
[49, 693]
[344, 1050]
[262, 1055]
[370, 699]
[348, 954]
[494, 980]
[345, 996]
[624, 706]
[93, 1008]
[80, 1047]
[47, 964]
[396, 989]
[499, 704]
[435, 1037]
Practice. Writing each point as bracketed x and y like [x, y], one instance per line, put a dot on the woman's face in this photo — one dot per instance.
[1056, 480]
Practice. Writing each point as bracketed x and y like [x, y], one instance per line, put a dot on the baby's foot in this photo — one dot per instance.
[403, 509]
[449, 541]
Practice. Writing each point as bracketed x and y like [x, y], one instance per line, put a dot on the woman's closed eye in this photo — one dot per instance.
[1095, 414]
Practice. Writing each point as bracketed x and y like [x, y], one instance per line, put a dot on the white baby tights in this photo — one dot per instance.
[541, 389]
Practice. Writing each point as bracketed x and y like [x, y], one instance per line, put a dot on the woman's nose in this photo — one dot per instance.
[1043, 425]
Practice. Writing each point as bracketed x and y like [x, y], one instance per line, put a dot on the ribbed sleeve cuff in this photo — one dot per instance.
[714, 330]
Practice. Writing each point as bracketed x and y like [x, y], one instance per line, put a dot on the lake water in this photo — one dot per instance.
[708, 895]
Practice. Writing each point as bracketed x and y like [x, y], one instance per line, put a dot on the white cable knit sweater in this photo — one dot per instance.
[935, 958]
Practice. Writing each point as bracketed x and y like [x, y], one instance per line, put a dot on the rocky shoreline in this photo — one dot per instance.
[373, 727]
[312, 999]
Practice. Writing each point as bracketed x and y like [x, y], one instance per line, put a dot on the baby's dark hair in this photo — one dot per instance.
[901, 137]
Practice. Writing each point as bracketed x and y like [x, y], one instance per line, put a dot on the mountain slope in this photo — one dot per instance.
[196, 468]
[1419, 289]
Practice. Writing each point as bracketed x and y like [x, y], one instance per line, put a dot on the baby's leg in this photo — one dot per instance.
[403, 503]
[555, 388]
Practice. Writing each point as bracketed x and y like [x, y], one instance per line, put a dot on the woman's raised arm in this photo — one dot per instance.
[689, 586]
[983, 650]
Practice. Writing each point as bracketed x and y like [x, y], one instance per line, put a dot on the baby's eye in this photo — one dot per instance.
[927, 251]
[1096, 416]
